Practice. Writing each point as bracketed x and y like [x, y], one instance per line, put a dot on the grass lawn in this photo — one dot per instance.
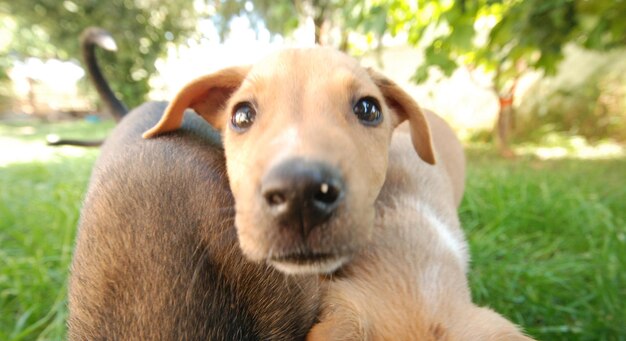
[548, 238]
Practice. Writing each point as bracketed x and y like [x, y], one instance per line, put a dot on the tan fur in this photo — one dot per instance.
[405, 252]
[408, 284]
[293, 93]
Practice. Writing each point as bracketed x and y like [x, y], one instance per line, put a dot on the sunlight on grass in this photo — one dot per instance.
[25, 140]
[558, 146]
[15, 150]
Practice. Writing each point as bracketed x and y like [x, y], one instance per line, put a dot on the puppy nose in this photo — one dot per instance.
[302, 194]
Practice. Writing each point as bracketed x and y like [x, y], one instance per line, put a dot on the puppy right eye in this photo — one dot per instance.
[243, 116]
[367, 110]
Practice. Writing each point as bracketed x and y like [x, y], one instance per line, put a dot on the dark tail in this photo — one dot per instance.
[91, 37]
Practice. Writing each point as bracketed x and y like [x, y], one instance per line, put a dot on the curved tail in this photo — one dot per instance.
[89, 39]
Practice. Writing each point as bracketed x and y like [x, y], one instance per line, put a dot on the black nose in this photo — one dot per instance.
[302, 194]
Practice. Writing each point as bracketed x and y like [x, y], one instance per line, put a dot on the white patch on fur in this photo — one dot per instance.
[325, 267]
[447, 238]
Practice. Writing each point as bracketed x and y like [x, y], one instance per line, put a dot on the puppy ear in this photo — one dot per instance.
[206, 95]
[407, 109]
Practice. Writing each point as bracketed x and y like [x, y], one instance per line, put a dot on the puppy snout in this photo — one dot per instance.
[302, 194]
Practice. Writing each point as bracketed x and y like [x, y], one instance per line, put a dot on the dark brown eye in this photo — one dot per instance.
[243, 116]
[367, 110]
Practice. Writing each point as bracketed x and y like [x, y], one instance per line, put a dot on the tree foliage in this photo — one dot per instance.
[502, 34]
[142, 28]
[506, 38]
[329, 17]
[279, 17]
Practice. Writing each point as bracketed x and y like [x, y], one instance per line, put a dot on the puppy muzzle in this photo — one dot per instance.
[301, 195]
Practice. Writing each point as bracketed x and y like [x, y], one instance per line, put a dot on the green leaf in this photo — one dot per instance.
[421, 74]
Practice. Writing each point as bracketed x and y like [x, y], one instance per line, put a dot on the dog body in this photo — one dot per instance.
[157, 256]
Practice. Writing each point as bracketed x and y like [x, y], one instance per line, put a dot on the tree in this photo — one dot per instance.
[329, 17]
[509, 37]
[142, 28]
[505, 38]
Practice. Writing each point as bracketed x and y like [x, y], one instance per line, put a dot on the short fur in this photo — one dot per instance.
[157, 256]
[410, 282]
[305, 99]
[399, 248]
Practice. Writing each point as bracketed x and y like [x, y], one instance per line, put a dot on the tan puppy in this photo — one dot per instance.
[304, 168]
[410, 282]
[306, 134]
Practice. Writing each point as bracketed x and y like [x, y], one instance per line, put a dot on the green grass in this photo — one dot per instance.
[39, 207]
[547, 237]
[548, 244]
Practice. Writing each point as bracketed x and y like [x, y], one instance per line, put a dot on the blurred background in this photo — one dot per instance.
[535, 88]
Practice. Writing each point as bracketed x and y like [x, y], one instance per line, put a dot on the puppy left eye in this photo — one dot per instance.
[367, 110]
[243, 116]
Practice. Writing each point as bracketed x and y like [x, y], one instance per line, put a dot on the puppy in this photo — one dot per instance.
[306, 137]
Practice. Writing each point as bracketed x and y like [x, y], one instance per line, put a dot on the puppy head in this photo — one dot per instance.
[306, 134]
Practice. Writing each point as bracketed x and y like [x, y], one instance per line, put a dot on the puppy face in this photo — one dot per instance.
[304, 103]
[305, 134]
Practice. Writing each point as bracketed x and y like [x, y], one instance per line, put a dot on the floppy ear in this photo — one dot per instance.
[206, 95]
[407, 109]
